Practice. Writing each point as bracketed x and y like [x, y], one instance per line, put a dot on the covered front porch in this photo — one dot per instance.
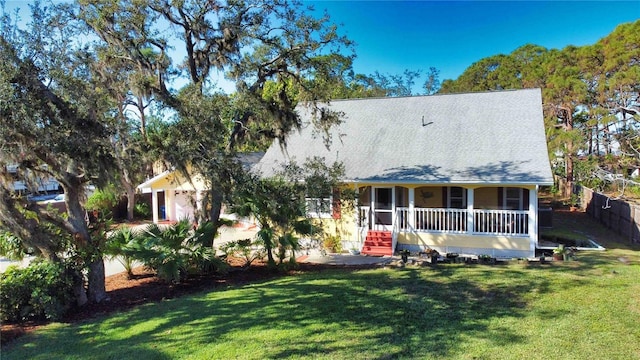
[174, 197]
[481, 219]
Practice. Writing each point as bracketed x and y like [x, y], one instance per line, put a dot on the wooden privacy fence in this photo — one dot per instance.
[617, 215]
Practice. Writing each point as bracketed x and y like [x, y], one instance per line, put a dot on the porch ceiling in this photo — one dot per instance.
[173, 180]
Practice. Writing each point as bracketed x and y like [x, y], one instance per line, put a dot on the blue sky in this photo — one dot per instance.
[392, 36]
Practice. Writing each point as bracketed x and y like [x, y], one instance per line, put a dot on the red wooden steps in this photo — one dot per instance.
[378, 243]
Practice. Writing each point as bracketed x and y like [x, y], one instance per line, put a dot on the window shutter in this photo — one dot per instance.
[444, 197]
[465, 197]
[500, 198]
[335, 205]
[525, 199]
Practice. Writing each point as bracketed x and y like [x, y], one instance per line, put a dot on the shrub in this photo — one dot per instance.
[120, 245]
[103, 200]
[141, 211]
[176, 251]
[332, 243]
[43, 290]
[11, 246]
[203, 260]
[244, 249]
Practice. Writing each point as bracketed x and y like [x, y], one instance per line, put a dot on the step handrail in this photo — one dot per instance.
[394, 233]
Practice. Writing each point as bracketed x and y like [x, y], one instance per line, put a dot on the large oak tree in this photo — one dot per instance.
[54, 124]
[180, 49]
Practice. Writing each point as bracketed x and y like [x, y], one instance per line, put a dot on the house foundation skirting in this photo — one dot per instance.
[498, 246]
[495, 253]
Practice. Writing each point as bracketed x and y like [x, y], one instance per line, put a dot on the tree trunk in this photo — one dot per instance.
[597, 136]
[591, 134]
[79, 290]
[90, 246]
[605, 140]
[143, 118]
[568, 186]
[216, 208]
[131, 199]
[568, 113]
[131, 205]
[96, 287]
[271, 262]
[129, 189]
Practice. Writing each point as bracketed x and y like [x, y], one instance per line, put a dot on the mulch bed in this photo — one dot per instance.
[124, 293]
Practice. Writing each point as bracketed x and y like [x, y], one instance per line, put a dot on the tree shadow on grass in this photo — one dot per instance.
[375, 314]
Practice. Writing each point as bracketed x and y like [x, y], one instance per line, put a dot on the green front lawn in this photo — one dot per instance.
[585, 309]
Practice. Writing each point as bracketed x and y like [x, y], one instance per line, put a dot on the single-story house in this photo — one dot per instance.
[456, 173]
[175, 197]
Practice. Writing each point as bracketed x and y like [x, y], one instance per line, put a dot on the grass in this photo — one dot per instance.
[583, 309]
[579, 225]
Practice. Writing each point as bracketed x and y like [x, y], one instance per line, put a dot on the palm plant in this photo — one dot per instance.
[198, 244]
[178, 250]
[162, 252]
[291, 235]
[244, 249]
[279, 207]
[120, 244]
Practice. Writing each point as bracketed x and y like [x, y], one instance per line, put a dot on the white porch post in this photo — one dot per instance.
[533, 219]
[372, 207]
[356, 215]
[394, 208]
[470, 217]
[197, 215]
[154, 206]
[170, 204]
[412, 205]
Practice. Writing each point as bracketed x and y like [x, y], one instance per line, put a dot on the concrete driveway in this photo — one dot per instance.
[226, 235]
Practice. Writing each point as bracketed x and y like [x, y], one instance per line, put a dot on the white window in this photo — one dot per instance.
[457, 198]
[513, 198]
[319, 207]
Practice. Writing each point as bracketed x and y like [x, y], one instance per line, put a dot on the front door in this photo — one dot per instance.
[382, 205]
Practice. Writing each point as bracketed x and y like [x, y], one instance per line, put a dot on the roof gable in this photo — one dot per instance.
[175, 180]
[491, 137]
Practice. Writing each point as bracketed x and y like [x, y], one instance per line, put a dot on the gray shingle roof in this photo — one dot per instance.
[472, 138]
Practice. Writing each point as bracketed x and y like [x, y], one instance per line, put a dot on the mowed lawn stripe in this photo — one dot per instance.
[580, 309]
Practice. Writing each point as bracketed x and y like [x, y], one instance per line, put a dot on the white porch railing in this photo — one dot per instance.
[364, 222]
[364, 215]
[491, 222]
[501, 222]
[434, 219]
[394, 232]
